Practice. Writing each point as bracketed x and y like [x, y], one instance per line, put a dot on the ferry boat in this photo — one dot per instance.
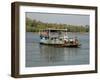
[58, 38]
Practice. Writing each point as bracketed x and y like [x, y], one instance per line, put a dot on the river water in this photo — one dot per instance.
[42, 55]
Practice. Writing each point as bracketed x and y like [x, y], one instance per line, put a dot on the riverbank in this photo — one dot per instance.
[35, 26]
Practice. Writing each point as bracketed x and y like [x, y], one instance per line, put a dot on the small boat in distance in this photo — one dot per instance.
[58, 38]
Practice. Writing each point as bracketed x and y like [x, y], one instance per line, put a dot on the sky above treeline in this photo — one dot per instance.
[73, 19]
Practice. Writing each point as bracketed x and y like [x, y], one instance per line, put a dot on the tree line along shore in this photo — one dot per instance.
[35, 26]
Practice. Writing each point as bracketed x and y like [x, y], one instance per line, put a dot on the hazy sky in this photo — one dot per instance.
[60, 18]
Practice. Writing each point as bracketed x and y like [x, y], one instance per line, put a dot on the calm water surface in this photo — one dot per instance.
[41, 55]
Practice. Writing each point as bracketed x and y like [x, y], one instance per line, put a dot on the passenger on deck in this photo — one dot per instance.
[65, 37]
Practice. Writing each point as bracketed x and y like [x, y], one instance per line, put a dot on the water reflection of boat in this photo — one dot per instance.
[51, 54]
[58, 56]
[58, 38]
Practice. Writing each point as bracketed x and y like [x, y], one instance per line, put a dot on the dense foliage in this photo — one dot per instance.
[35, 26]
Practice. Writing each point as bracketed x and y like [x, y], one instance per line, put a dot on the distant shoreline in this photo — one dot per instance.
[35, 26]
